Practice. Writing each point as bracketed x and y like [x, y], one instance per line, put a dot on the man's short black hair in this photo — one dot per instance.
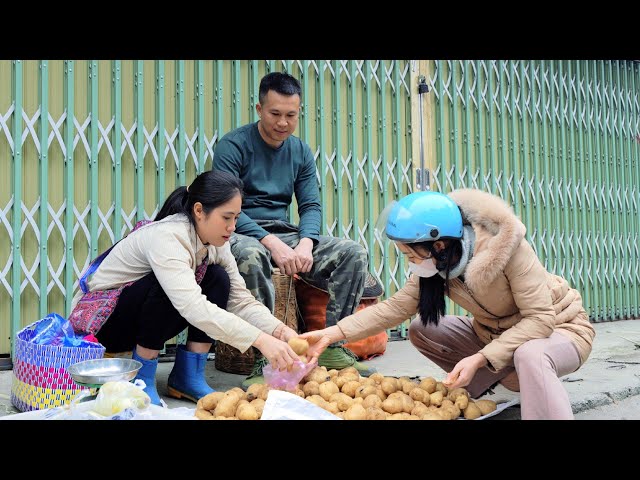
[280, 82]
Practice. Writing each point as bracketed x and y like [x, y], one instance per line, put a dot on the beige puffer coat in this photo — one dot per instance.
[510, 295]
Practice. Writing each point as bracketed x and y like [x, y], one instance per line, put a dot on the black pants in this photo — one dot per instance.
[145, 316]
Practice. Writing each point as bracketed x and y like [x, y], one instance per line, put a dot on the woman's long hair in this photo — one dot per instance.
[431, 304]
[211, 188]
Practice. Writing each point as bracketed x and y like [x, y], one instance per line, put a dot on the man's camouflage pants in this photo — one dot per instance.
[339, 267]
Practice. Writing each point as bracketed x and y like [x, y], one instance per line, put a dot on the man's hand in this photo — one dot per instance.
[464, 371]
[304, 251]
[282, 254]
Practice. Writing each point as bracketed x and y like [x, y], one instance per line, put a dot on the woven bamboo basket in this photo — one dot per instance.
[286, 307]
[229, 359]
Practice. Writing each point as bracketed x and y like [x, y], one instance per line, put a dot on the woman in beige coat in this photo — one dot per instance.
[527, 327]
[178, 273]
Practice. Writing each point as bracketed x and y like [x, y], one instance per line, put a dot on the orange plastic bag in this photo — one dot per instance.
[312, 303]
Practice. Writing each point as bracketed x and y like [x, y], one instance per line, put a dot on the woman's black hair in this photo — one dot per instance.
[431, 304]
[211, 188]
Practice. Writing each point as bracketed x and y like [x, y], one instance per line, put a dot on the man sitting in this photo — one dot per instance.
[274, 164]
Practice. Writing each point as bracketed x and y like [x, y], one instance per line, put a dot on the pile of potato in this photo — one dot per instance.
[349, 396]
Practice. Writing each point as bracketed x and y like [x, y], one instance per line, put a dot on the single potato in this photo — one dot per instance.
[299, 345]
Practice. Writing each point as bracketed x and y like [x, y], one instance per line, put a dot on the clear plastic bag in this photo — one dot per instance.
[287, 379]
[120, 401]
[83, 407]
[115, 397]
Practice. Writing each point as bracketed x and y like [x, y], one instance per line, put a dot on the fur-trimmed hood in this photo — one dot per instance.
[497, 218]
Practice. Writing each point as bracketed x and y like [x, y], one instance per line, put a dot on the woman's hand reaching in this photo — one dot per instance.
[284, 333]
[278, 352]
[319, 340]
[464, 371]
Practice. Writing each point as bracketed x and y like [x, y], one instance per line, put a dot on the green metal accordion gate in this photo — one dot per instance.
[559, 140]
[90, 147]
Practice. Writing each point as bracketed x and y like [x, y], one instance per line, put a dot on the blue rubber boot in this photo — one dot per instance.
[187, 380]
[148, 373]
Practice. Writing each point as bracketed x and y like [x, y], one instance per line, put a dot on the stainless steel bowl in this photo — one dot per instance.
[95, 373]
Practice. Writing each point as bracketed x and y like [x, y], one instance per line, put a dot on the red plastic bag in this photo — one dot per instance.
[369, 347]
[312, 303]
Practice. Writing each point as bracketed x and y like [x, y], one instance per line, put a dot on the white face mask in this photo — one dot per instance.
[424, 269]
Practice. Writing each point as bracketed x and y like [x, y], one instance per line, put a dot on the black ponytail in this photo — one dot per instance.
[431, 303]
[211, 188]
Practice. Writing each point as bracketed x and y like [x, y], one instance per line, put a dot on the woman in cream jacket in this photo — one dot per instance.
[157, 266]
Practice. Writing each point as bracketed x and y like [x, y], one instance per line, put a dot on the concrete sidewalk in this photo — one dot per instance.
[611, 373]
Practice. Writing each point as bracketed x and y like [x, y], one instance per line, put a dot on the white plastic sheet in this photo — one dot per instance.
[287, 406]
[84, 411]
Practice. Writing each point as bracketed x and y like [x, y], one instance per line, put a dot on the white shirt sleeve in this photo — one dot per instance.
[170, 259]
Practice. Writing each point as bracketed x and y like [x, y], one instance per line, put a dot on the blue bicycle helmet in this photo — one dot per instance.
[421, 217]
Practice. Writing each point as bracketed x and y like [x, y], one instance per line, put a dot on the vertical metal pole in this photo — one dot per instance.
[466, 135]
[610, 206]
[502, 136]
[199, 114]
[454, 148]
[304, 113]
[585, 203]
[575, 180]
[382, 152]
[424, 178]
[69, 215]
[368, 148]
[634, 70]
[632, 262]
[528, 204]
[563, 175]
[397, 146]
[219, 92]
[600, 182]
[480, 154]
[236, 112]
[492, 161]
[116, 106]
[440, 134]
[139, 109]
[552, 178]
[534, 158]
[546, 152]
[353, 149]
[44, 185]
[320, 135]
[615, 285]
[336, 121]
[520, 197]
[160, 139]
[592, 157]
[93, 160]
[16, 221]
[624, 296]
[180, 116]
